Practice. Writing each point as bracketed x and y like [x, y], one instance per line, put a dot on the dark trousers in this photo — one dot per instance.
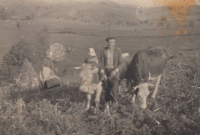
[111, 86]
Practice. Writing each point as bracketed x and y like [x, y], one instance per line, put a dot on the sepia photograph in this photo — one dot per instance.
[99, 67]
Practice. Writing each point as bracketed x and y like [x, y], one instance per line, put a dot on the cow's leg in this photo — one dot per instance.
[120, 88]
[133, 99]
[98, 95]
[88, 102]
[135, 90]
[156, 88]
[163, 79]
[107, 110]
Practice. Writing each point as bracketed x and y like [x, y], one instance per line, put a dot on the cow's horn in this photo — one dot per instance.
[136, 87]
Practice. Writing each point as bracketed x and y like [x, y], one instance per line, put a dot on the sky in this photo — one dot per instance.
[147, 3]
[142, 3]
[152, 3]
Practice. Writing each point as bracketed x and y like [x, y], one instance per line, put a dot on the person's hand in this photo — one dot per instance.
[113, 73]
[103, 77]
[102, 72]
[94, 70]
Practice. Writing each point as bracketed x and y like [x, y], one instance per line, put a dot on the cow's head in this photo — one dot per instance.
[143, 94]
[88, 88]
[84, 88]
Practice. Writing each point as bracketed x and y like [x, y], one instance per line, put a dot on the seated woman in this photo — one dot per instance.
[47, 77]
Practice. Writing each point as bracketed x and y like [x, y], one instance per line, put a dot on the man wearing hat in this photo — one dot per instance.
[110, 64]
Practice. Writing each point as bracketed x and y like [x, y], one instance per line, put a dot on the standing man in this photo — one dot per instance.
[110, 64]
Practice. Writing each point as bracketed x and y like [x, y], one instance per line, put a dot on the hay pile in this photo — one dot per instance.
[28, 78]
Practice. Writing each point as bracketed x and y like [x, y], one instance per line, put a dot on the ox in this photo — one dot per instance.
[147, 64]
[90, 88]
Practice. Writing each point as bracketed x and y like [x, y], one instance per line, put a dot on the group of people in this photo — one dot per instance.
[109, 65]
[107, 68]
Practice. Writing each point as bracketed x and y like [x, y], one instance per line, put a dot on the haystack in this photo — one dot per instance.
[28, 78]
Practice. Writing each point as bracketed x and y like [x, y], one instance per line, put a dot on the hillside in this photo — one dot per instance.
[90, 22]
[104, 12]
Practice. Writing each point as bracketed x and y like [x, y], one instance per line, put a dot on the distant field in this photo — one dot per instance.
[81, 36]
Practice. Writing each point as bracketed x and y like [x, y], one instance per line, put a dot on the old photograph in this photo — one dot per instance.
[99, 67]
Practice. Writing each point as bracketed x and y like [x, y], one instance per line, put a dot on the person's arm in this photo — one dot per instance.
[120, 60]
[86, 61]
[101, 62]
[47, 62]
[94, 68]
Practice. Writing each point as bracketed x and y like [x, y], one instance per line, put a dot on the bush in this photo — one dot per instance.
[27, 18]
[103, 23]
[18, 25]
[191, 24]
[45, 29]
[16, 55]
[4, 14]
[146, 22]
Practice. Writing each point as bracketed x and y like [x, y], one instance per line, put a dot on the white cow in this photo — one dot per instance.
[88, 86]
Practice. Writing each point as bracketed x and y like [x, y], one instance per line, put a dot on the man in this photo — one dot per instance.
[111, 63]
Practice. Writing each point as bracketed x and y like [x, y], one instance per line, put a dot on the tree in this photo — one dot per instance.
[17, 54]
[18, 25]
[45, 29]
[5, 13]
[13, 60]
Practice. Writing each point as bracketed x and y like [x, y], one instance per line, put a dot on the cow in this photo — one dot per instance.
[147, 64]
[87, 85]
[90, 88]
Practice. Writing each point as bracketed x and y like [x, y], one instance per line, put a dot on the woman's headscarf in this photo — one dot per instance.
[49, 54]
[91, 52]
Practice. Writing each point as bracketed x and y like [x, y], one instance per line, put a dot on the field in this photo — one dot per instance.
[61, 111]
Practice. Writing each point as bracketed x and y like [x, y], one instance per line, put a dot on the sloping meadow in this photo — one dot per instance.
[60, 111]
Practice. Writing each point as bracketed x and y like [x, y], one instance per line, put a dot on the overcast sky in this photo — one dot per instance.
[150, 3]
[144, 3]
[129, 2]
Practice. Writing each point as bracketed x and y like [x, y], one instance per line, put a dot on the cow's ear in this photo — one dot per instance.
[83, 65]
